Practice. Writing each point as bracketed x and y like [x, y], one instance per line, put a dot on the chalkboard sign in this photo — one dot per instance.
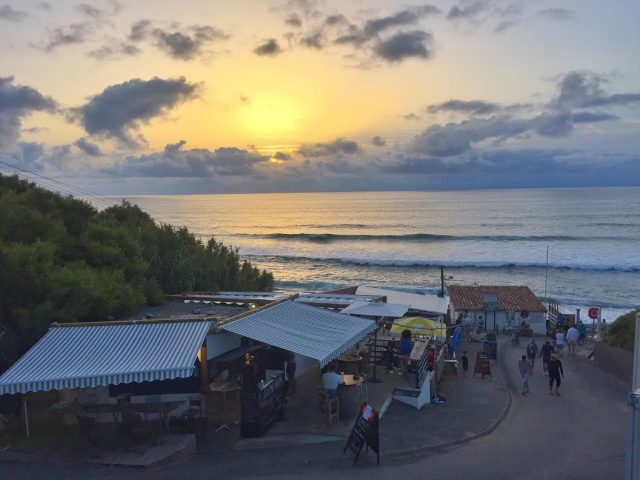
[260, 408]
[482, 366]
[366, 430]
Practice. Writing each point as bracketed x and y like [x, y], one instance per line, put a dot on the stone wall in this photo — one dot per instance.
[615, 360]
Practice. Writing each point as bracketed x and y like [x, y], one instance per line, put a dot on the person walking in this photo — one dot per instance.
[532, 352]
[555, 369]
[560, 341]
[525, 371]
[545, 353]
[572, 339]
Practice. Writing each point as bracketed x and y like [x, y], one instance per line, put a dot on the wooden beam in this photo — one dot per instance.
[204, 368]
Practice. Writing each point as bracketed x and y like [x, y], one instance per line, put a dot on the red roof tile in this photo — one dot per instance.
[510, 298]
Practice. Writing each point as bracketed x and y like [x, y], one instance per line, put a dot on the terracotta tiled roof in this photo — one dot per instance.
[510, 298]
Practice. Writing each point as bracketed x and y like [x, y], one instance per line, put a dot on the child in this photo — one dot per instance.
[465, 363]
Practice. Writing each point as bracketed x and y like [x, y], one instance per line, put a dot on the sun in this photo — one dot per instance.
[271, 116]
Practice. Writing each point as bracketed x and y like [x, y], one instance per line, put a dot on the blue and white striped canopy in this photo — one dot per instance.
[86, 355]
[309, 331]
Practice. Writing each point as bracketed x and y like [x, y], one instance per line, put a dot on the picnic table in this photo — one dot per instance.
[119, 410]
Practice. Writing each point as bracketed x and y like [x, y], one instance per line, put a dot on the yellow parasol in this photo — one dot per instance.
[419, 326]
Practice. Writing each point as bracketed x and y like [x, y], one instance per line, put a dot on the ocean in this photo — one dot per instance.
[319, 241]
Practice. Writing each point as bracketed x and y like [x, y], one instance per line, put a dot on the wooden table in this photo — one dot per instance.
[119, 409]
[349, 380]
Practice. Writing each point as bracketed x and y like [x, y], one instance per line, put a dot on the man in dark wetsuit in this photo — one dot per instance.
[545, 353]
[555, 369]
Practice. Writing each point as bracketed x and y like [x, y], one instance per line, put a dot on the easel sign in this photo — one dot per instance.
[366, 430]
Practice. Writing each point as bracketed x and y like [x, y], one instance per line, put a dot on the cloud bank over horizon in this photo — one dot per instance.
[129, 133]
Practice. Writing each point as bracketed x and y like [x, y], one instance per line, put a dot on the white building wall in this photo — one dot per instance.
[536, 320]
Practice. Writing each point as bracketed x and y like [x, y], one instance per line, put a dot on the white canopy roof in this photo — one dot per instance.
[303, 329]
[427, 303]
[90, 355]
[376, 309]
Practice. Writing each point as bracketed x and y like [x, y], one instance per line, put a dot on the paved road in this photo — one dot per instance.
[579, 435]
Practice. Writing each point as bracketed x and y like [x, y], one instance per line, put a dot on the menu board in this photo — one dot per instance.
[261, 407]
[366, 430]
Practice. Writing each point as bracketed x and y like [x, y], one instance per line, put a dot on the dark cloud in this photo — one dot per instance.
[505, 25]
[378, 141]
[121, 49]
[470, 10]
[268, 47]
[313, 41]
[371, 40]
[87, 147]
[586, 90]
[340, 166]
[73, 34]
[140, 30]
[174, 161]
[404, 45]
[340, 146]
[457, 138]
[411, 117]
[404, 17]
[174, 147]
[180, 43]
[293, 20]
[17, 102]
[476, 107]
[96, 13]
[561, 14]
[28, 155]
[11, 15]
[46, 6]
[188, 44]
[120, 109]
[282, 156]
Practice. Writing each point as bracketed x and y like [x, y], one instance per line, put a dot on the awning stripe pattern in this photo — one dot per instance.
[303, 329]
[97, 355]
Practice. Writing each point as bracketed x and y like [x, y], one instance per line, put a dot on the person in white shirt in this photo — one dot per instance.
[560, 341]
[331, 381]
[572, 338]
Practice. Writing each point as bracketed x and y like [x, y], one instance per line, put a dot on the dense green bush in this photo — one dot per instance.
[621, 333]
[63, 261]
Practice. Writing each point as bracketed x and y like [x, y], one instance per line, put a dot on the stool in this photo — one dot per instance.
[330, 406]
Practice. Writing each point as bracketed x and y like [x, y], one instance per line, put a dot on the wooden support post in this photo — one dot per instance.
[25, 411]
[204, 371]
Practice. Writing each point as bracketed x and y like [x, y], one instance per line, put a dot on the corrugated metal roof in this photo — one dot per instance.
[376, 309]
[511, 298]
[89, 355]
[427, 303]
[333, 299]
[303, 329]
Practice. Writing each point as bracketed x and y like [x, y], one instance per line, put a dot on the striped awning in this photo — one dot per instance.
[90, 355]
[303, 329]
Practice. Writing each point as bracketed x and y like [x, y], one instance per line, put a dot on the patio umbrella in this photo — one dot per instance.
[419, 326]
[376, 309]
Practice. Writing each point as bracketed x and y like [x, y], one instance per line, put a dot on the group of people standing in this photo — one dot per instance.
[551, 365]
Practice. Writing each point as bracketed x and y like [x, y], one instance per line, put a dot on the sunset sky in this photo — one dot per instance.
[140, 97]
